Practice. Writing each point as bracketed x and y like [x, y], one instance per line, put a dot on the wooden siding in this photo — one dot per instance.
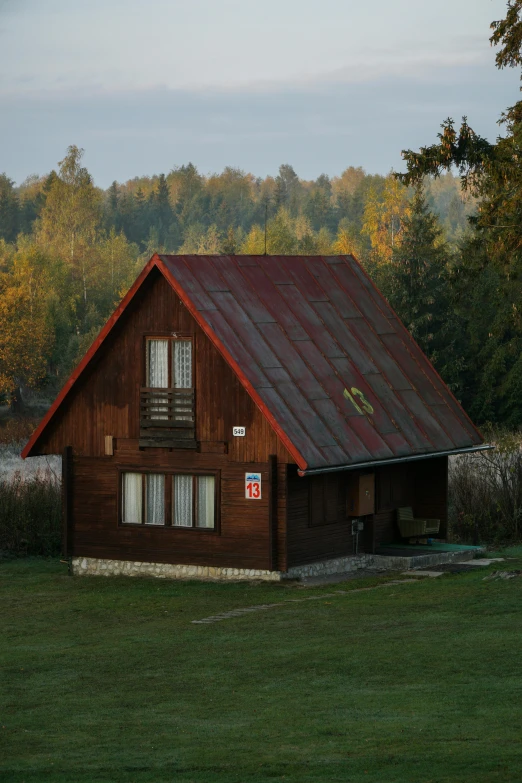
[308, 542]
[67, 501]
[422, 485]
[242, 539]
[106, 399]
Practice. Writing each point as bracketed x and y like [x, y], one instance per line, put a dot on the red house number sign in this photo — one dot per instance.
[253, 486]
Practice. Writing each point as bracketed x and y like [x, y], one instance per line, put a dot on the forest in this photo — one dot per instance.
[69, 250]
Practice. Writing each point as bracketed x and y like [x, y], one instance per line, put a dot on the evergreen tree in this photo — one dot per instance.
[319, 208]
[191, 200]
[491, 263]
[287, 190]
[112, 216]
[9, 210]
[415, 282]
[141, 225]
[161, 213]
[126, 216]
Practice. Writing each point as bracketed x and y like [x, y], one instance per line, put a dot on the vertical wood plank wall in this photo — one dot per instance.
[422, 485]
[308, 542]
[241, 540]
[106, 400]
[249, 536]
[67, 502]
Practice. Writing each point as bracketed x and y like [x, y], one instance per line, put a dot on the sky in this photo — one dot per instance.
[319, 84]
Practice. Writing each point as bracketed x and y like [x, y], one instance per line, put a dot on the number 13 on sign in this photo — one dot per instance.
[253, 486]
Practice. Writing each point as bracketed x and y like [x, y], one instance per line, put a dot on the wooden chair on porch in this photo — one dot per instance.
[415, 527]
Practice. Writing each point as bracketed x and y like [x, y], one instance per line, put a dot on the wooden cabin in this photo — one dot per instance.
[248, 416]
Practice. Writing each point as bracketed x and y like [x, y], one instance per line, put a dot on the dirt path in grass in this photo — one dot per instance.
[217, 618]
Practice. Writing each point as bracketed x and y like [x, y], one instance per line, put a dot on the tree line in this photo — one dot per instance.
[69, 250]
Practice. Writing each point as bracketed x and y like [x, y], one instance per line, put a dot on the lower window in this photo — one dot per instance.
[194, 501]
[178, 500]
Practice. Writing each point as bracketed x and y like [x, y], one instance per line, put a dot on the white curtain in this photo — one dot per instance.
[205, 517]
[182, 364]
[183, 501]
[158, 361]
[155, 499]
[158, 374]
[132, 510]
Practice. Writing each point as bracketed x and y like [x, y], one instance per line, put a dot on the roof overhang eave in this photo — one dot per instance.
[395, 460]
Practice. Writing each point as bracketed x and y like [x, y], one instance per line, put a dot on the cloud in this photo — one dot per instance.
[372, 65]
[324, 126]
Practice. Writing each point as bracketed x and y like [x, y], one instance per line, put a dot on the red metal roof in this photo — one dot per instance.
[322, 354]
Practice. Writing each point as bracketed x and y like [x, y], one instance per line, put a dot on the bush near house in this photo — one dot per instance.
[30, 514]
[14, 430]
[485, 492]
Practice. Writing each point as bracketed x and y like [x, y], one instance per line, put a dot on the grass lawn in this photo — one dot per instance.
[107, 680]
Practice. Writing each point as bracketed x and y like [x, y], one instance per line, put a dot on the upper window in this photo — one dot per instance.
[168, 367]
[180, 500]
[169, 363]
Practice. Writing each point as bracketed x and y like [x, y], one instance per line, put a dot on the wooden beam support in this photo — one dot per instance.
[67, 520]
[272, 510]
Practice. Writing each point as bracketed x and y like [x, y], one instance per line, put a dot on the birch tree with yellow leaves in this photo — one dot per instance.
[384, 219]
[71, 218]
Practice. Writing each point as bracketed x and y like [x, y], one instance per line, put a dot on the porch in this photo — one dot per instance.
[391, 557]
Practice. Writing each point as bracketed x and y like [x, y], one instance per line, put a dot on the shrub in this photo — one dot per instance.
[15, 430]
[485, 492]
[30, 514]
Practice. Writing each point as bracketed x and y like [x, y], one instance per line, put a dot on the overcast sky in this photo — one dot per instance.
[320, 84]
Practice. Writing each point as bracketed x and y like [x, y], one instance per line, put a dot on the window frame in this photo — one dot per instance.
[171, 337]
[195, 496]
[168, 474]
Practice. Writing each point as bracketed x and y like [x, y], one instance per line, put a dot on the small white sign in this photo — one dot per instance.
[253, 486]
[239, 432]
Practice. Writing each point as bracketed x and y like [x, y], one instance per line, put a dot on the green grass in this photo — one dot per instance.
[107, 680]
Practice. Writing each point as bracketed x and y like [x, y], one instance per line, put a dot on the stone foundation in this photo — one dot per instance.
[91, 566]
[338, 565]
